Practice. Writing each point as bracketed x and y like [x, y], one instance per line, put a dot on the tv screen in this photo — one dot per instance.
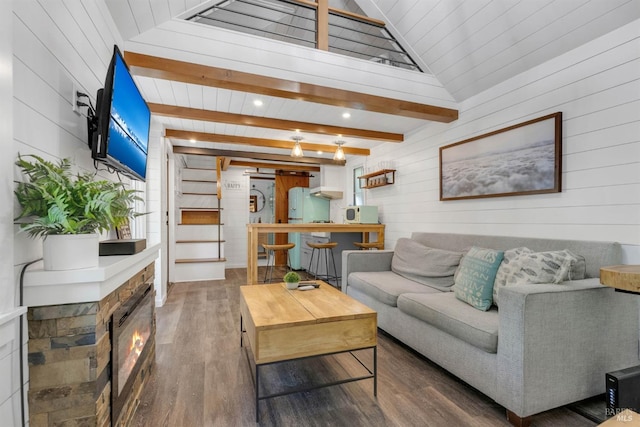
[122, 136]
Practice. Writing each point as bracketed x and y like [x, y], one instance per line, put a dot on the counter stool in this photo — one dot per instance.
[369, 245]
[271, 255]
[326, 248]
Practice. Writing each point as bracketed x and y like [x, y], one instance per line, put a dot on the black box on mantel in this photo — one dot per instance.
[122, 246]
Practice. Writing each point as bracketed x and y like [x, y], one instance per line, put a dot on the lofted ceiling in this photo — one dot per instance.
[469, 46]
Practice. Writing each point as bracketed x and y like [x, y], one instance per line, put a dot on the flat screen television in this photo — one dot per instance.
[119, 131]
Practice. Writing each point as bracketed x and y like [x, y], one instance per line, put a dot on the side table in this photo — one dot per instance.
[625, 278]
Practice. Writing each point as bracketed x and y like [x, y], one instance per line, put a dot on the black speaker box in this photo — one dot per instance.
[122, 246]
[623, 390]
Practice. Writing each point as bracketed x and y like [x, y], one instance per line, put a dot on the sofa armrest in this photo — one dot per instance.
[353, 261]
[556, 342]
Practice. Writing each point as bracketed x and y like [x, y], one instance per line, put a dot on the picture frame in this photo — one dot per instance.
[525, 158]
[124, 231]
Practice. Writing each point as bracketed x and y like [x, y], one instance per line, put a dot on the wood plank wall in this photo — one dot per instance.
[597, 87]
[235, 216]
[56, 47]
[9, 326]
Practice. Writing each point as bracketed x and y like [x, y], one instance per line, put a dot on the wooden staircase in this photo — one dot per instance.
[199, 247]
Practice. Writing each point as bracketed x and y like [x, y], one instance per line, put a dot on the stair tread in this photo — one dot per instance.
[198, 208]
[192, 193]
[200, 241]
[201, 260]
[215, 224]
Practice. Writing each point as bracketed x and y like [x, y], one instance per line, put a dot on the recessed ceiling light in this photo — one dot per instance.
[258, 102]
[193, 141]
[319, 152]
[346, 115]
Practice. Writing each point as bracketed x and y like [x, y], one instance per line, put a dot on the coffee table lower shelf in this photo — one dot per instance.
[372, 373]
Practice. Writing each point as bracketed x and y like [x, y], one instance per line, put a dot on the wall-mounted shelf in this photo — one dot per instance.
[378, 178]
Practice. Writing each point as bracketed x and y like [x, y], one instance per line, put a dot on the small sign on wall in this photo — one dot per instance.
[232, 185]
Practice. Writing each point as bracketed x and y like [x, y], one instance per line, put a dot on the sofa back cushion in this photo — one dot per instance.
[420, 263]
[596, 254]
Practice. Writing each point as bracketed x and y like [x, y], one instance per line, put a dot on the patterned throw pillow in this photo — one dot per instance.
[541, 267]
[507, 268]
[475, 277]
[578, 269]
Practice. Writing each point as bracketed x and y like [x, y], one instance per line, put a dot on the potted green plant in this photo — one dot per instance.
[292, 279]
[69, 210]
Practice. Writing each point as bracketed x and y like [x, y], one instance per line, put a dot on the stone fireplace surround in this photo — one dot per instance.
[70, 345]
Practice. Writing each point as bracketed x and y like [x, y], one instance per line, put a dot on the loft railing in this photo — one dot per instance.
[311, 24]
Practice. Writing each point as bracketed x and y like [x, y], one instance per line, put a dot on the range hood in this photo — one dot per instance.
[327, 192]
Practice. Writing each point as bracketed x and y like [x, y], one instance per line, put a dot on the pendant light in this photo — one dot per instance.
[339, 154]
[296, 151]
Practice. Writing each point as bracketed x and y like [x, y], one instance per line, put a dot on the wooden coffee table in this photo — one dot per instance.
[283, 325]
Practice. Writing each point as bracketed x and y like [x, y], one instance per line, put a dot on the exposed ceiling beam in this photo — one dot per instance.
[199, 151]
[225, 162]
[276, 166]
[314, 4]
[187, 72]
[258, 142]
[244, 120]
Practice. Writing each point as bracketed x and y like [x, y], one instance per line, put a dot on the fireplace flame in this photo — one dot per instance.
[137, 342]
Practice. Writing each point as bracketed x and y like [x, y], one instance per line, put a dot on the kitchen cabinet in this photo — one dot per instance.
[344, 240]
[305, 251]
[255, 229]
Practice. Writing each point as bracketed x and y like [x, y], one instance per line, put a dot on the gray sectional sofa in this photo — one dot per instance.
[547, 345]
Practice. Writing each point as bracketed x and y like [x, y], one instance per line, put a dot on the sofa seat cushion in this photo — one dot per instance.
[455, 317]
[386, 286]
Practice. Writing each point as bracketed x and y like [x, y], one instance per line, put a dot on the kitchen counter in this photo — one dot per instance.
[254, 229]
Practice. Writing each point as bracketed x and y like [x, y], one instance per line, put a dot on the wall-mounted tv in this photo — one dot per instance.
[119, 132]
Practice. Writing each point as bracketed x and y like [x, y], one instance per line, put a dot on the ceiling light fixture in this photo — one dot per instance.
[296, 151]
[346, 115]
[339, 154]
[258, 103]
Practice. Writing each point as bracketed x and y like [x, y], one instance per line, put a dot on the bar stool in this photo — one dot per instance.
[369, 245]
[271, 254]
[326, 248]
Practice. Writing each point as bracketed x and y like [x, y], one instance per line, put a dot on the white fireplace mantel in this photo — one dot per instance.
[43, 287]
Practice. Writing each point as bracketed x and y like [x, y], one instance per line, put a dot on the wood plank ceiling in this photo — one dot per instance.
[468, 45]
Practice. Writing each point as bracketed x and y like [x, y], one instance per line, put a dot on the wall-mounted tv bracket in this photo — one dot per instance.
[92, 118]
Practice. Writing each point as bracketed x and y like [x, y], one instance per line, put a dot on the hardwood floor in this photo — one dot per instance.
[202, 378]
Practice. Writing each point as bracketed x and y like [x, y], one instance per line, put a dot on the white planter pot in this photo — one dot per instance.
[70, 251]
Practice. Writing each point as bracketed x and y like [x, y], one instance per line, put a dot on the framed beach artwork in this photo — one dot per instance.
[521, 159]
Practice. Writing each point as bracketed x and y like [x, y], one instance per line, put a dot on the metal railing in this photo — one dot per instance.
[296, 23]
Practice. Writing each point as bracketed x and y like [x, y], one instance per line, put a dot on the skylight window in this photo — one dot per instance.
[349, 31]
